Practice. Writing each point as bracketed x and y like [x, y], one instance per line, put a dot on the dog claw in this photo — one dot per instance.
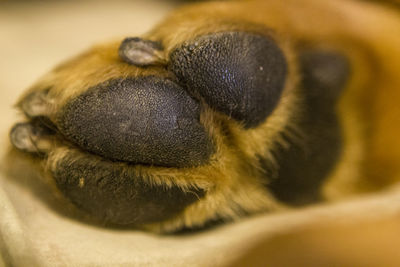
[31, 137]
[139, 52]
[36, 104]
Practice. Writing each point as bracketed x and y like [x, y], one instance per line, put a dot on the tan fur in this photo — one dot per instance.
[369, 111]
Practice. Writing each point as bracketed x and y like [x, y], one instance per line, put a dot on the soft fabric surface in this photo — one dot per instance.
[36, 230]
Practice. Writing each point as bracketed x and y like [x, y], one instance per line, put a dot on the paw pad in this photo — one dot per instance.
[239, 74]
[146, 120]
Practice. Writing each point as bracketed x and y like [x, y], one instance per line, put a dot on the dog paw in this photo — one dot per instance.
[165, 135]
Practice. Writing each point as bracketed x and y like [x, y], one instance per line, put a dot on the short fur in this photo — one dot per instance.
[234, 180]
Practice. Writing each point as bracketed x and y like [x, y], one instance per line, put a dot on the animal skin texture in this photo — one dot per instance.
[223, 110]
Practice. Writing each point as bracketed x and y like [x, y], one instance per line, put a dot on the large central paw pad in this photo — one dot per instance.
[147, 120]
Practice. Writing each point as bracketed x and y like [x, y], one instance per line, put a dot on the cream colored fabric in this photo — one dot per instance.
[33, 229]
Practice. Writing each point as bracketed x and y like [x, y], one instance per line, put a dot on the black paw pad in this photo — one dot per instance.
[115, 195]
[237, 73]
[146, 120]
[324, 71]
[305, 165]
